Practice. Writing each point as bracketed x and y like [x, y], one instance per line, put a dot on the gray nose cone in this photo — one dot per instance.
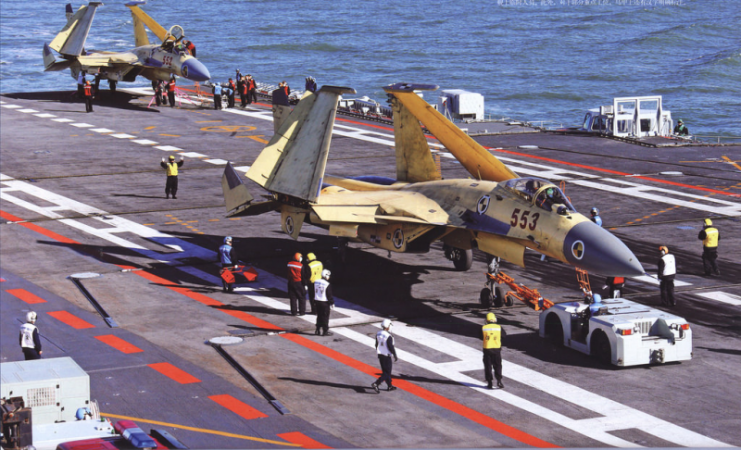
[596, 250]
[194, 70]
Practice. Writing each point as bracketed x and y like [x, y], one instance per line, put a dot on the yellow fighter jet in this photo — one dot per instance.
[152, 61]
[497, 212]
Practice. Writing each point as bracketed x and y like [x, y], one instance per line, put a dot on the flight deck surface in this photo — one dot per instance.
[85, 193]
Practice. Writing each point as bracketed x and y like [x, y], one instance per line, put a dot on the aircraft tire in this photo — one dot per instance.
[508, 300]
[112, 85]
[498, 298]
[462, 259]
[485, 298]
[600, 347]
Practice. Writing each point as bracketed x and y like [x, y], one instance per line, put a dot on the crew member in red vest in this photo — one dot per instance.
[88, 89]
[191, 47]
[295, 286]
[251, 90]
[171, 91]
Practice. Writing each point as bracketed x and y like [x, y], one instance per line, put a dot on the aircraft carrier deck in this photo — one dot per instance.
[85, 193]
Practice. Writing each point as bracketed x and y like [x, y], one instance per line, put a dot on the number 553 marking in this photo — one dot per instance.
[522, 220]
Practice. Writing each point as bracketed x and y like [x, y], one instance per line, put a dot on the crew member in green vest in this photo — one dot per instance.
[681, 129]
[492, 334]
[709, 237]
[171, 167]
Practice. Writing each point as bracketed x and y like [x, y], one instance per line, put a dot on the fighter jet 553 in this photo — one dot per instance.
[154, 62]
[496, 211]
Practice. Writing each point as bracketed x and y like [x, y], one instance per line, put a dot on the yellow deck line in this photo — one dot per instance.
[730, 161]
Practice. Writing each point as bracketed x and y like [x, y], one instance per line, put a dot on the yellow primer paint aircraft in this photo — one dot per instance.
[154, 62]
[497, 211]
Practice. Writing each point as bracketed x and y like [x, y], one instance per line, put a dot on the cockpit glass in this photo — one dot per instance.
[526, 187]
[551, 198]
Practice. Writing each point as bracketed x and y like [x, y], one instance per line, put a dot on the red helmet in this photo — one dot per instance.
[297, 257]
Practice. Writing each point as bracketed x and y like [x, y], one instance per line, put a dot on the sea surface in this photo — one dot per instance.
[534, 60]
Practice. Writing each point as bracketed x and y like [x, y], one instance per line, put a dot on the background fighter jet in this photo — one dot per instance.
[154, 62]
[497, 212]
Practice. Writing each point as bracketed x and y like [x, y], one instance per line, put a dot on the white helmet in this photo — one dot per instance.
[31, 317]
[325, 274]
[386, 324]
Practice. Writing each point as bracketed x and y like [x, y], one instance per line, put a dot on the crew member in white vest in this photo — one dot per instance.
[667, 271]
[323, 300]
[29, 338]
[385, 349]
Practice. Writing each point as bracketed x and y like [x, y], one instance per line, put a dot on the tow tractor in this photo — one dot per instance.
[621, 332]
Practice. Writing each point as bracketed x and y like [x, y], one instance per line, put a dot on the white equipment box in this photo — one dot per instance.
[461, 105]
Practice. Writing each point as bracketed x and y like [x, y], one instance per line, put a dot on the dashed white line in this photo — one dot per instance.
[168, 148]
[734, 300]
[144, 142]
[11, 106]
[45, 115]
[62, 120]
[122, 136]
[655, 281]
[28, 110]
[82, 125]
[216, 161]
[101, 130]
[193, 155]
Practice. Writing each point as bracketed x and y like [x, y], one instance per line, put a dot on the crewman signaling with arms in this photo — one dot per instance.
[171, 186]
[385, 349]
[29, 338]
[492, 334]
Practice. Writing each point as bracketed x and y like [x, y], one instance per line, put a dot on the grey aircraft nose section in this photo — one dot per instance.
[596, 250]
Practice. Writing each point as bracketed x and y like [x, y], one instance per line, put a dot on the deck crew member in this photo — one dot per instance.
[385, 350]
[81, 85]
[88, 96]
[226, 253]
[667, 271]
[709, 237]
[251, 90]
[29, 338]
[323, 301]
[157, 86]
[595, 216]
[492, 340]
[243, 87]
[191, 47]
[171, 167]
[681, 129]
[281, 106]
[312, 273]
[233, 88]
[217, 96]
[616, 286]
[296, 292]
[310, 84]
[171, 91]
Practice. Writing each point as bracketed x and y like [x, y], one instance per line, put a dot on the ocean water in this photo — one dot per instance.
[535, 60]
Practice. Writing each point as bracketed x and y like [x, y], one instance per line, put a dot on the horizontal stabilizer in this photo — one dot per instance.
[236, 194]
[71, 40]
[294, 160]
[475, 158]
[50, 62]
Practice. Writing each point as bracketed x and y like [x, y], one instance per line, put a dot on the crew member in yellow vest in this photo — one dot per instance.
[492, 334]
[171, 167]
[312, 272]
[709, 237]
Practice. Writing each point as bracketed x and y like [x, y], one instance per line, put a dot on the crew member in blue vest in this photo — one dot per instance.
[171, 167]
[595, 216]
[492, 336]
[709, 237]
[29, 338]
[310, 84]
[323, 301]
[385, 350]
[226, 253]
[217, 96]
[667, 271]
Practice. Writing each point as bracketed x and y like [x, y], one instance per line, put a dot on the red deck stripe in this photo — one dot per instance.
[36, 228]
[237, 407]
[119, 344]
[174, 373]
[423, 393]
[26, 296]
[301, 439]
[71, 320]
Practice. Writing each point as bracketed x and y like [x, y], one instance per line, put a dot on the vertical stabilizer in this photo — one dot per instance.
[475, 158]
[140, 17]
[71, 40]
[413, 157]
[293, 162]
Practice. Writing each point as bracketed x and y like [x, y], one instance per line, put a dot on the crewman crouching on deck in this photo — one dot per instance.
[171, 186]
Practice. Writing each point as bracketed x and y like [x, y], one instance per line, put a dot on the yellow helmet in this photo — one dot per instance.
[491, 318]
[708, 223]
[311, 257]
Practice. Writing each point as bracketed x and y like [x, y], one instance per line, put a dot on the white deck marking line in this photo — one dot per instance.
[28, 110]
[62, 120]
[731, 299]
[242, 168]
[193, 155]
[122, 136]
[216, 161]
[11, 106]
[168, 148]
[144, 142]
[82, 125]
[656, 282]
[45, 115]
[102, 130]
[617, 416]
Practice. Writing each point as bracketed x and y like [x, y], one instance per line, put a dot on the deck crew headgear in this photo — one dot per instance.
[228, 240]
[325, 274]
[386, 324]
[491, 318]
[297, 257]
[708, 223]
[31, 317]
[664, 250]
